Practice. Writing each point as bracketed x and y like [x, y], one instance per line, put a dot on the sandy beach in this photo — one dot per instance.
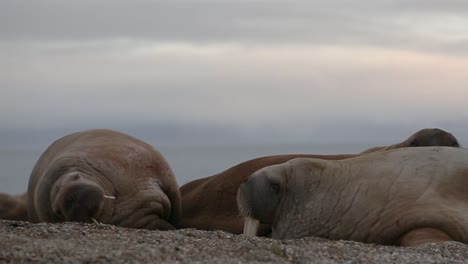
[22, 242]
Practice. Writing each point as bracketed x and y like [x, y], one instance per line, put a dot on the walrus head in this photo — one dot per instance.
[76, 198]
[431, 137]
[104, 176]
[266, 194]
[384, 198]
[257, 199]
[423, 138]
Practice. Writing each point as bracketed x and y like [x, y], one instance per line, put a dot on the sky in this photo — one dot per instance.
[218, 71]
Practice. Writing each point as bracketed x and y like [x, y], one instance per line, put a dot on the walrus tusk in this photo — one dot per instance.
[95, 221]
[251, 226]
[109, 197]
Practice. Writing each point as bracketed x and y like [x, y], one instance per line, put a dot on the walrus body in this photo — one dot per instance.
[106, 176]
[210, 203]
[14, 207]
[406, 197]
[423, 138]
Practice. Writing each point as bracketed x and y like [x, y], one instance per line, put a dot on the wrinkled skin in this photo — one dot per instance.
[407, 197]
[13, 207]
[423, 138]
[106, 176]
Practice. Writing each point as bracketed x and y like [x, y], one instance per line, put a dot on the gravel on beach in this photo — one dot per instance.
[22, 242]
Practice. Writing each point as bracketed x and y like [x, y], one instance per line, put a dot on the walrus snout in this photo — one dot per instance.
[81, 202]
[258, 196]
[77, 199]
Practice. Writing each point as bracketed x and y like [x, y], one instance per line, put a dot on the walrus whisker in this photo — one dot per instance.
[243, 206]
[109, 197]
[245, 211]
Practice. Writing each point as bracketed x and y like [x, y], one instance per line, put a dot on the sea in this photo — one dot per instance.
[188, 162]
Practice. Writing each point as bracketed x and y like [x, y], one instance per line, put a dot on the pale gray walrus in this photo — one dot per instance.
[106, 176]
[404, 197]
[423, 138]
[210, 203]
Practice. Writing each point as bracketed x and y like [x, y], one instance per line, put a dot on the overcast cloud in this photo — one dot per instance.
[267, 65]
[406, 24]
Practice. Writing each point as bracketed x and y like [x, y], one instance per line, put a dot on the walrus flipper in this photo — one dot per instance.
[422, 236]
[13, 207]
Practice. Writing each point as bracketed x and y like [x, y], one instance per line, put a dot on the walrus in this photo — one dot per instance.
[13, 207]
[423, 138]
[105, 176]
[210, 203]
[406, 197]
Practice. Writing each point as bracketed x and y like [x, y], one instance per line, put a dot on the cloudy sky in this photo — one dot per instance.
[281, 69]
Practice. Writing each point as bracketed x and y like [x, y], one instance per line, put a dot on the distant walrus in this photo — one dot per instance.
[13, 207]
[406, 197]
[107, 176]
[423, 138]
[210, 203]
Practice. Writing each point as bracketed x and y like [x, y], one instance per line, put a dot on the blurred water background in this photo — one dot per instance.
[188, 161]
[200, 151]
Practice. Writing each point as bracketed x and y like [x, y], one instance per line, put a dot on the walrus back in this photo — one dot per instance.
[13, 207]
[375, 198]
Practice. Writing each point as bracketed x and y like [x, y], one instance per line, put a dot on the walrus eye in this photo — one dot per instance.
[414, 143]
[275, 187]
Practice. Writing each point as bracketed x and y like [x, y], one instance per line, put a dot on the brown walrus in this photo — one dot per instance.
[423, 138]
[406, 197]
[210, 203]
[106, 176]
[14, 207]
